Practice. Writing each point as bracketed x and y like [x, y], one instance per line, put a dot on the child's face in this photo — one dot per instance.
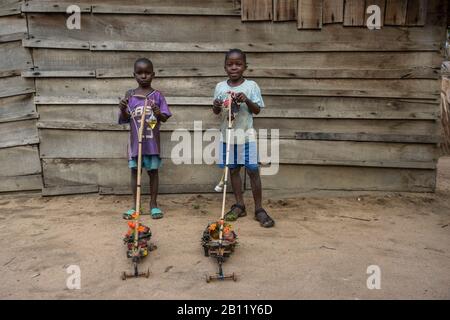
[235, 66]
[143, 73]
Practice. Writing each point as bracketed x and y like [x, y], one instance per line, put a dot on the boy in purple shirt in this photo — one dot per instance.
[157, 111]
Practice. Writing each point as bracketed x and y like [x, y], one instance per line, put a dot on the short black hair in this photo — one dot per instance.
[143, 60]
[238, 51]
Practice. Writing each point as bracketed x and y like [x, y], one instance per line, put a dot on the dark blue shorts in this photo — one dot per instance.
[240, 155]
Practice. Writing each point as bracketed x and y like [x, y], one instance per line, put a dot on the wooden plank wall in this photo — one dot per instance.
[445, 95]
[313, 14]
[445, 112]
[20, 168]
[356, 109]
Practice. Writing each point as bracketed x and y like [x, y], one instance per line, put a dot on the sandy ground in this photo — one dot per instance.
[321, 247]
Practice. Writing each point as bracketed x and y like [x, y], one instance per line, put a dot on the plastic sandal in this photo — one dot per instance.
[156, 213]
[130, 214]
[264, 219]
[233, 216]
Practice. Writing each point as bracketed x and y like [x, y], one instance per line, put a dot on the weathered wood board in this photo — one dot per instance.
[14, 86]
[354, 13]
[276, 73]
[51, 7]
[18, 133]
[80, 60]
[307, 177]
[125, 8]
[368, 137]
[44, 5]
[12, 28]
[21, 183]
[417, 12]
[256, 10]
[182, 9]
[276, 108]
[396, 11]
[284, 10]
[14, 56]
[333, 11]
[19, 161]
[68, 190]
[309, 14]
[10, 7]
[222, 47]
[180, 86]
[289, 127]
[16, 106]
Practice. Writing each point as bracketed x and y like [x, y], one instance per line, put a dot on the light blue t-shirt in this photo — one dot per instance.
[243, 121]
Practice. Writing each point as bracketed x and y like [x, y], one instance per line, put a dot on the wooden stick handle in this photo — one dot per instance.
[139, 175]
[227, 161]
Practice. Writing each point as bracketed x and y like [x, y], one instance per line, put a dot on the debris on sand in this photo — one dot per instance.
[355, 218]
[11, 260]
[168, 269]
[329, 248]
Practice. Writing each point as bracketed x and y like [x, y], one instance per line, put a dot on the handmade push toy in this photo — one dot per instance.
[138, 236]
[219, 239]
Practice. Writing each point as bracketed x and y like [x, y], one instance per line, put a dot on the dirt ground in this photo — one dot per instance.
[320, 248]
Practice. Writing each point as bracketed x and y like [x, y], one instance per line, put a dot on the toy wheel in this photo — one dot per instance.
[206, 251]
[208, 278]
[124, 276]
[234, 277]
[147, 274]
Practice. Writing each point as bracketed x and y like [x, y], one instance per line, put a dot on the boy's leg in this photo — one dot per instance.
[251, 163]
[155, 212]
[154, 185]
[260, 214]
[128, 215]
[255, 182]
[238, 209]
[133, 185]
[236, 183]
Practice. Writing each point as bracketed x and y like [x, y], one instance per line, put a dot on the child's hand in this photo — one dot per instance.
[240, 97]
[123, 104]
[156, 110]
[217, 106]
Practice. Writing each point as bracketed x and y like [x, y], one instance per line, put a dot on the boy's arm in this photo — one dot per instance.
[124, 115]
[162, 111]
[159, 115]
[252, 106]
[217, 103]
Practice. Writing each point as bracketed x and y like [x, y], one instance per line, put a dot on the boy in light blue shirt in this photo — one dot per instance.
[246, 101]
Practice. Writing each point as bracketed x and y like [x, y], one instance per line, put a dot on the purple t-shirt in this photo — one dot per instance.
[150, 138]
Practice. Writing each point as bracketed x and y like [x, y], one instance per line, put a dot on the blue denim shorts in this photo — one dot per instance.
[240, 155]
[149, 162]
